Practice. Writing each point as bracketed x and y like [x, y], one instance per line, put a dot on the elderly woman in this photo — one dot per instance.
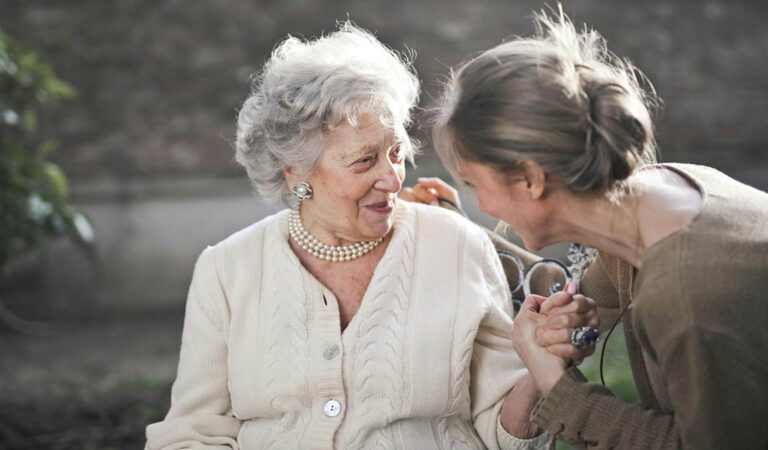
[352, 320]
[555, 137]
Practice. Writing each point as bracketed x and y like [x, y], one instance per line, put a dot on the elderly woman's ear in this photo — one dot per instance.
[293, 176]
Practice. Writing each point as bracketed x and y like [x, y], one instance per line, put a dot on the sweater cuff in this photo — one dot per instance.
[567, 392]
[507, 441]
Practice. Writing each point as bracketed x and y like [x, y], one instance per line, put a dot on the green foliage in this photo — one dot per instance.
[616, 370]
[33, 191]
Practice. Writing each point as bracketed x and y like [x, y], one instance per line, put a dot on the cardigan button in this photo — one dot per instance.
[331, 351]
[332, 408]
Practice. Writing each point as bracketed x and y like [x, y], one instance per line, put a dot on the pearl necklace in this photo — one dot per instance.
[335, 253]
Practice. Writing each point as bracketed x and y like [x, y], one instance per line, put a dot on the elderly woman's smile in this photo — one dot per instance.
[382, 208]
[355, 183]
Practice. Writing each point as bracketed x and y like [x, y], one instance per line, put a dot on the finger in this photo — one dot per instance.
[580, 304]
[531, 308]
[574, 320]
[407, 194]
[528, 319]
[592, 319]
[526, 323]
[570, 308]
[584, 353]
[442, 188]
[434, 194]
[437, 183]
[558, 319]
[578, 355]
[571, 321]
[546, 337]
[562, 350]
[570, 352]
[540, 319]
[556, 300]
[424, 196]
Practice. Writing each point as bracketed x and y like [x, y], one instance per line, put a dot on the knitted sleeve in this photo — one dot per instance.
[200, 412]
[589, 414]
[495, 366]
[709, 408]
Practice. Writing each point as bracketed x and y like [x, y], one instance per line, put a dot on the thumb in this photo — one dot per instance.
[532, 303]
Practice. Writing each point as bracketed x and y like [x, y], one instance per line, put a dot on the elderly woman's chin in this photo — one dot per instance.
[378, 218]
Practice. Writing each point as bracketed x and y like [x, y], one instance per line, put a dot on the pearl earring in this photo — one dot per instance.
[302, 190]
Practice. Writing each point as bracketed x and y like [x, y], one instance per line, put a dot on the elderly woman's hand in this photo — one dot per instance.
[565, 311]
[428, 190]
[545, 367]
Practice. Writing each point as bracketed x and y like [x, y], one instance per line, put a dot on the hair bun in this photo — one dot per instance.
[618, 134]
[558, 98]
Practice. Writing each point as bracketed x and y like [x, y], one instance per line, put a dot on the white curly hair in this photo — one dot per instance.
[308, 86]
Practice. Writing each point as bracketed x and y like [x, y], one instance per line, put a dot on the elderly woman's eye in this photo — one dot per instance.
[366, 160]
[397, 153]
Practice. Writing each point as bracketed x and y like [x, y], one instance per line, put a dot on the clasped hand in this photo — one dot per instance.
[543, 329]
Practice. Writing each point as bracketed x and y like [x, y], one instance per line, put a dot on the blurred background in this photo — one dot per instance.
[142, 125]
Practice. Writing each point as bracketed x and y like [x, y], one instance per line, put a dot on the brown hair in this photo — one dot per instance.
[559, 98]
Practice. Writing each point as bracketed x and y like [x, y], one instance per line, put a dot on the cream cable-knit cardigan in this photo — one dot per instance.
[424, 364]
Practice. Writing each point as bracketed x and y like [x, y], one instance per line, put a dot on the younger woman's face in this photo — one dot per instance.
[507, 198]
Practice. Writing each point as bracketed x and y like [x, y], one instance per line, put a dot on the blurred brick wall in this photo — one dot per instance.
[160, 81]
[146, 143]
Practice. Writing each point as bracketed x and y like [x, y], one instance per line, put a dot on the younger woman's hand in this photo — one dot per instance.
[428, 190]
[565, 311]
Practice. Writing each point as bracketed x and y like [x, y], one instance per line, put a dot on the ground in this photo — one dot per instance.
[95, 386]
[98, 385]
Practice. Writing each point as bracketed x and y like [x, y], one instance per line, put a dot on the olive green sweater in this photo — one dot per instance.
[696, 332]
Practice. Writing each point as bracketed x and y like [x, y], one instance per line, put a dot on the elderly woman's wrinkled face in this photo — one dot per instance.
[355, 183]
